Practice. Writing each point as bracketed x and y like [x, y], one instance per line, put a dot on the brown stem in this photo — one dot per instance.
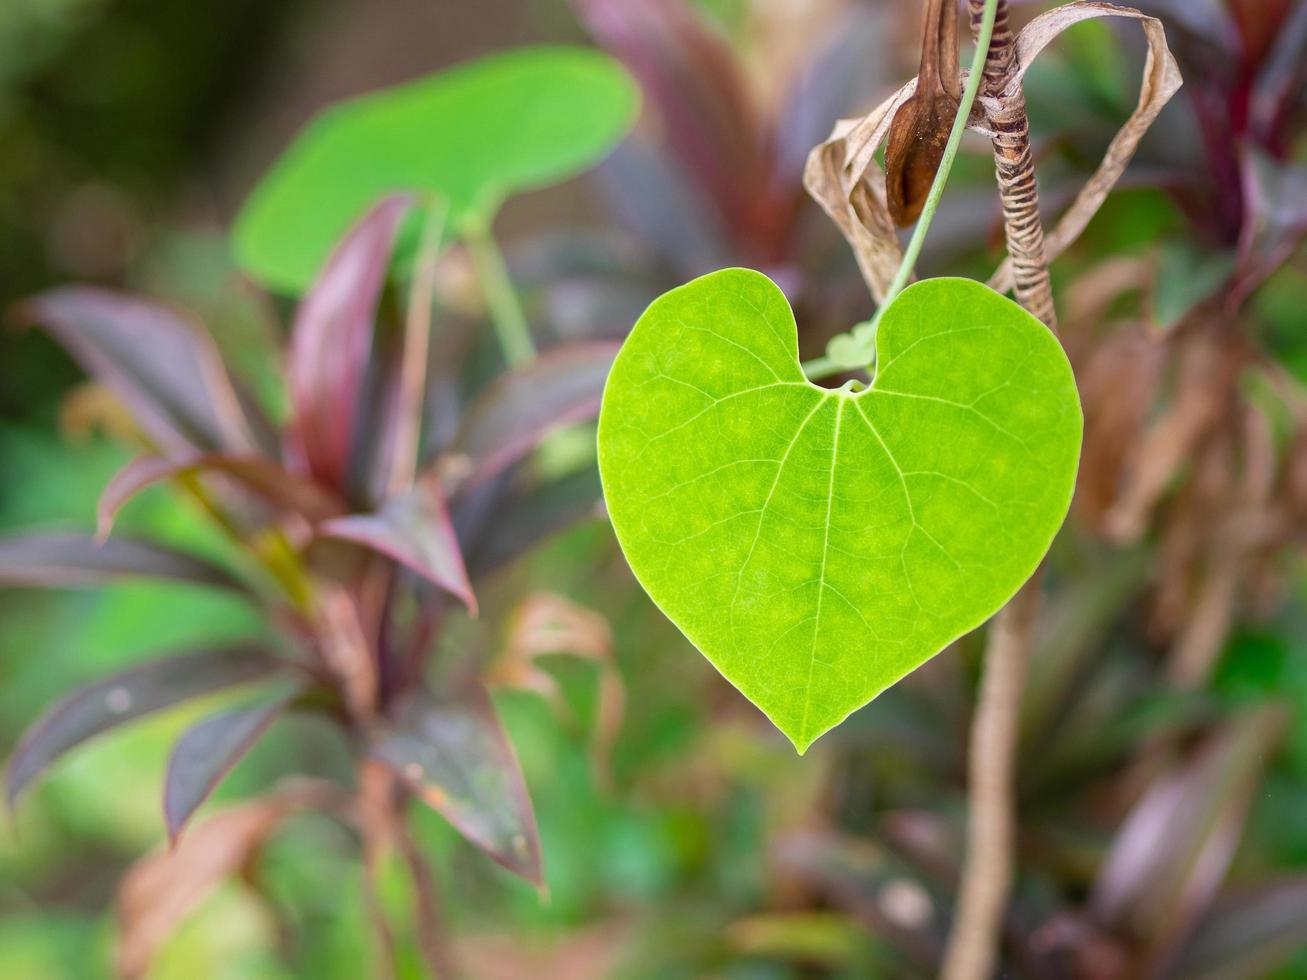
[1004, 105]
[991, 772]
[986, 880]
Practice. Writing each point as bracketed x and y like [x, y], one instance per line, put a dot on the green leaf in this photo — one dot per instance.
[473, 135]
[818, 545]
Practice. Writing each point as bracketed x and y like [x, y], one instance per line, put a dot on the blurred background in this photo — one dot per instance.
[1163, 734]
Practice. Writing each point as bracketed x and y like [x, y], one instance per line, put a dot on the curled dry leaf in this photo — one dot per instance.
[547, 623]
[921, 125]
[161, 890]
[844, 178]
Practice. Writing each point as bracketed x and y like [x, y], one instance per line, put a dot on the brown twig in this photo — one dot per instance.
[991, 772]
[986, 879]
[1004, 105]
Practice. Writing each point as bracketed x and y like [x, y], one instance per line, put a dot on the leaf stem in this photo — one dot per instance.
[506, 313]
[417, 344]
[821, 367]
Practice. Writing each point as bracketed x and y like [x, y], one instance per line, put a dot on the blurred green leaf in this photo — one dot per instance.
[472, 135]
[1187, 276]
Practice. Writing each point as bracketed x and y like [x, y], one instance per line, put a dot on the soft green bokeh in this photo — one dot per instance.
[472, 135]
[818, 545]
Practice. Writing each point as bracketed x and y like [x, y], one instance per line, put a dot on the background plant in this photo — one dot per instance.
[715, 851]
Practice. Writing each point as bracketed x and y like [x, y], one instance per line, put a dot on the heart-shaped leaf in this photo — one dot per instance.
[473, 135]
[818, 545]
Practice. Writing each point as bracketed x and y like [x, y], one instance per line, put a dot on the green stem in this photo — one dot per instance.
[506, 314]
[822, 366]
[417, 345]
[946, 161]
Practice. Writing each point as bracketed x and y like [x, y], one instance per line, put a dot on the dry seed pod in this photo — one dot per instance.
[920, 129]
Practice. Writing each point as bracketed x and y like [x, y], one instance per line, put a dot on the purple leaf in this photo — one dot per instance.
[127, 696]
[505, 524]
[669, 213]
[1247, 934]
[163, 367]
[691, 77]
[331, 342]
[511, 416]
[69, 560]
[260, 476]
[453, 754]
[1282, 84]
[207, 751]
[850, 63]
[1275, 216]
[1172, 852]
[414, 530]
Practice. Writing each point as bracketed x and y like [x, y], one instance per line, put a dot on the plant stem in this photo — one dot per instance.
[821, 367]
[986, 878]
[946, 162]
[1006, 118]
[417, 344]
[506, 314]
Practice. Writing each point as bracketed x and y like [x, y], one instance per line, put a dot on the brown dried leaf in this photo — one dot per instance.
[921, 126]
[1161, 81]
[843, 177]
[548, 623]
[1117, 388]
[162, 889]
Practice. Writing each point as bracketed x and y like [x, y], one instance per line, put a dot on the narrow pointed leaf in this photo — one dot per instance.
[472, 135]
[162, 889]
[206, 752]
[331, 342]
[510, 417]
[453, 753]
[262, 477]
[414, 529]
[1247, 934]
[819, 545]
[57, 560]
[1173, 849]
[519, 517]
[124, 697]
[697, 87]
[165, 368]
